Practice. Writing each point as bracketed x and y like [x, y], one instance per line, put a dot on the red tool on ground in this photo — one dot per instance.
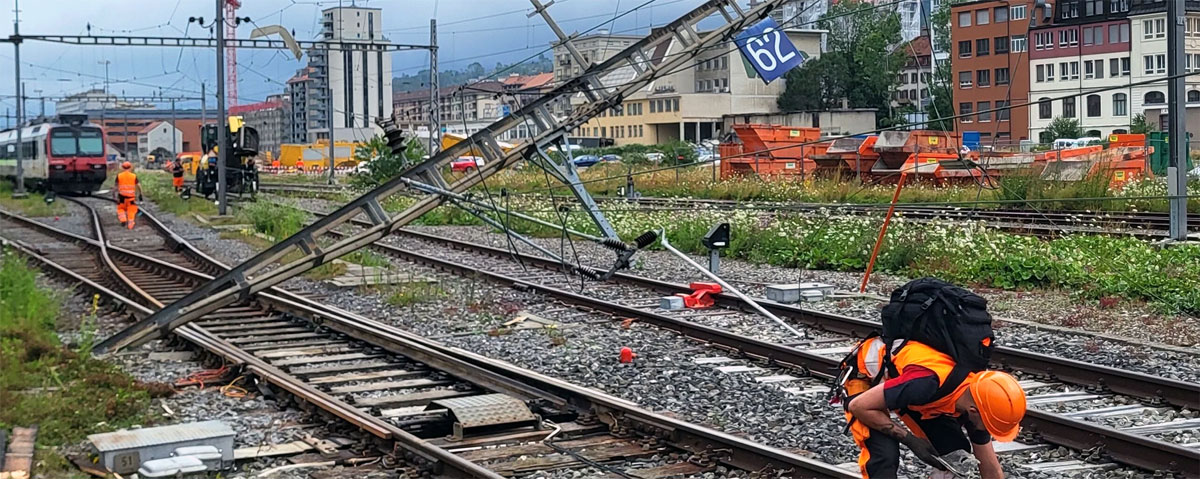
[627, 355]
[701, 296]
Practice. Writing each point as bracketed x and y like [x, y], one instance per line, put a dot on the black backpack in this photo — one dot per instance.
[944, 317]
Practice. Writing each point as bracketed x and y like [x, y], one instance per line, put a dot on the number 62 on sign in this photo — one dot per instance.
[769, 50]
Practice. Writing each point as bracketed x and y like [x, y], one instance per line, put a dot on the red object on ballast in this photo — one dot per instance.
[627, 355]
[701, 296]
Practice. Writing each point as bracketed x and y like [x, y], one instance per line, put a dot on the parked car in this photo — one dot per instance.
[610, 157]
[654, 157]
[584, 161]
[466, 163]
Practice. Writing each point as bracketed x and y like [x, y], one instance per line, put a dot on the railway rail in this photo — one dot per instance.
[1147, 225]
[406, 392]
[1046, 224]
[820, 357]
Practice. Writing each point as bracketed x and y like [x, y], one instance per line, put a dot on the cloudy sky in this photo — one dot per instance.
[487, 31]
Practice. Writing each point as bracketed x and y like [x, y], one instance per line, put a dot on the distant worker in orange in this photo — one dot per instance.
[275, 164]
[300, 164]
[128, 193]
[177, 174]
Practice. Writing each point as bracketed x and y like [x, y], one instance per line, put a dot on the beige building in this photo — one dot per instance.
[690, 104]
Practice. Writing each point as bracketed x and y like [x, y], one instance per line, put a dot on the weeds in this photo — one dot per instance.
[66, 392]
[413, 292]
[34, 205]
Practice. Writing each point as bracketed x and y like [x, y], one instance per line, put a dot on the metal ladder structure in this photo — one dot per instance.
[637, 66]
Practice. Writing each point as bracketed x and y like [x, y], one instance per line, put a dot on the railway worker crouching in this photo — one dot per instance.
[177, 175]
[938, 387]
[129, 192]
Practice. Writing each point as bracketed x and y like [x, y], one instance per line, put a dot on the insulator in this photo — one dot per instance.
[614, 244]
[588, 271]
[646, 239]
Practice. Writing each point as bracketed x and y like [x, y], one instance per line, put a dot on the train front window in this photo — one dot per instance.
[91, 142]
[63, 142]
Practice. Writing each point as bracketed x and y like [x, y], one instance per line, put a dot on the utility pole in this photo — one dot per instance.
[1177, 130]
[222, 127]
[435, 129]
[203, 108]
[329, 100]
[19, 190]
[174, 139]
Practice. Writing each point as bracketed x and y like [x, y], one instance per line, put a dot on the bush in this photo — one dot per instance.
[276, 221]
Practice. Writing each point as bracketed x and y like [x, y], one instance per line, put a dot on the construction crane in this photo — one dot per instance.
[231, 22]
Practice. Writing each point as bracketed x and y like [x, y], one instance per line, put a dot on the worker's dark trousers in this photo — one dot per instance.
[879, 454]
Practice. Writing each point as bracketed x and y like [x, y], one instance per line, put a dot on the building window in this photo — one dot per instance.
[1002, 111]
[1043, 40]
[1049, 72]
[1069, 37]
[964, 110]
[1099, 68]
[1000, 14]
[1125, 66]
[964, 19]
[1155, 28]
[964, 49]
[1016, 12]
[1093, 105]
[1044, 109]
[964, 79]
[981, 17]
[1117, 6]
[1193, 96]
[1002, 76]
[1019, 44]
[1120, 104]
[1093, 7]
[1155, 64]
[983, 77]
[1069, 107]
[1154, 98]
[1069, 10]
[1001, 45]
[1041, 73]
[1114, 67]
[984, 113]
[1074, 70]
[1063, 71]
[982, 47]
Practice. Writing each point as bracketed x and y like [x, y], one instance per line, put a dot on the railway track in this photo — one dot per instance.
[1146, 225]
[443, 412]
[1052, 382]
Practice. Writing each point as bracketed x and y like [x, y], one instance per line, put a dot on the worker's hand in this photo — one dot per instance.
[924, 451]
[139, 196]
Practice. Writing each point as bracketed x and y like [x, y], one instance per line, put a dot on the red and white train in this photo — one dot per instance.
[64, 155]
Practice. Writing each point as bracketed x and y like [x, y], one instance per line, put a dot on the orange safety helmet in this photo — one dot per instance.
[1001, 403]
[126, 166]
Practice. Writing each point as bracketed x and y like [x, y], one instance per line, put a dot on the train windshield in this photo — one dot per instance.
[81, 142]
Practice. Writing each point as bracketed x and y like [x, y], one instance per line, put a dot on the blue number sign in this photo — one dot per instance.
[768, 49]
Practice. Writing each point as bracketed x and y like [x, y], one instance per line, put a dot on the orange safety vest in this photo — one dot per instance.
[127, 184]
[299, 163]
[915, 353]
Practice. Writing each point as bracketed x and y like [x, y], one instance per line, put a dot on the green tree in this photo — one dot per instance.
[1062, 127]
[860, 63]
[380, 163]
[1139, 124]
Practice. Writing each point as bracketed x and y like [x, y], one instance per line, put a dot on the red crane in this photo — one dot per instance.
[231, 21]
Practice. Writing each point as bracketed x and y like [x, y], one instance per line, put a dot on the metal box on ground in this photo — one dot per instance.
[209, 455]
[123, 452]
[185, 466]
[791, 293]
[670, 303]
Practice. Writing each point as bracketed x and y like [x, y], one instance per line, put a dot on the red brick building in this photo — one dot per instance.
[989, 49]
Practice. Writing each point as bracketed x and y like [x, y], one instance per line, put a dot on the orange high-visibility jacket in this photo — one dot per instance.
[915, 353]
[127, 184]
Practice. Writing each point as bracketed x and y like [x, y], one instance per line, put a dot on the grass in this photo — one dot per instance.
[156, 186]
[33, 205]
[413, 292]
[63, 390]
[700, 182]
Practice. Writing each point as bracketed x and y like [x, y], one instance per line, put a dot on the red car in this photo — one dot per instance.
[466, 163]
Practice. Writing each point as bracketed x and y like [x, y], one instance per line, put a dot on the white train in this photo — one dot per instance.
[65, 155]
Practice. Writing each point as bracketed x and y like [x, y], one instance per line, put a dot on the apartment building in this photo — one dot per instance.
[1148, 55]
[691, 104]
[271, 118]
[359, 78]
[917, 72]
[988, 62]
[595, 47]
[1086, 48]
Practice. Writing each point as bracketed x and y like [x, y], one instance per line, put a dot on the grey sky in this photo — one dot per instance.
[487, 31]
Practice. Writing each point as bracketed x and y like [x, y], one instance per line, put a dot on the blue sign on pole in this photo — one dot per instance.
[768, 50]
